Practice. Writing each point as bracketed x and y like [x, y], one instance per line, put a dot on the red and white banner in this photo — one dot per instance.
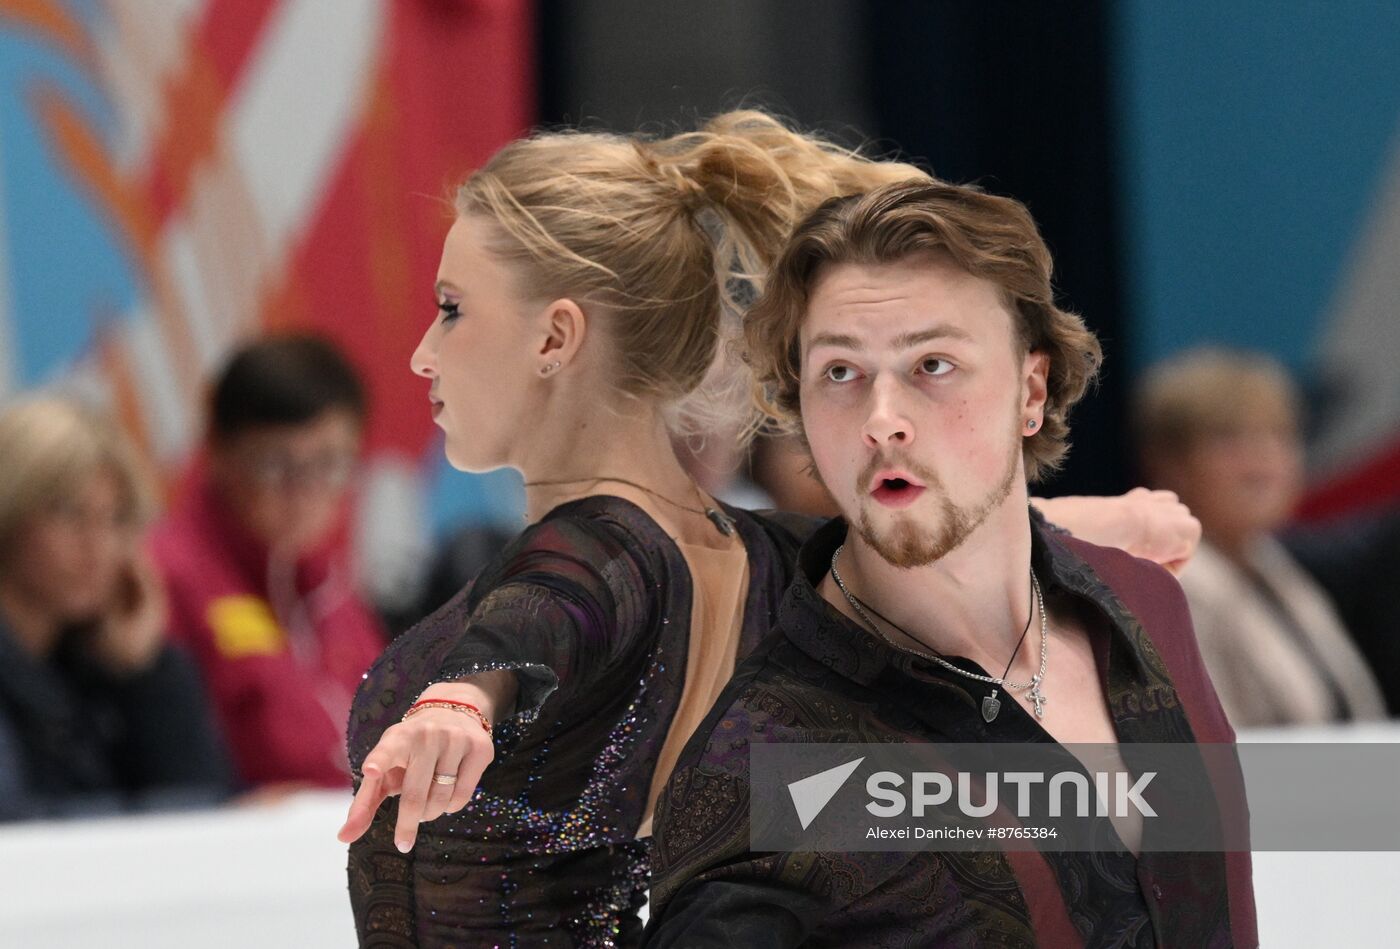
[261, 164]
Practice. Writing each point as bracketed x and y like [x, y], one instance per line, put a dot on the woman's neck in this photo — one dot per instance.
[600, 454]
[35, 629]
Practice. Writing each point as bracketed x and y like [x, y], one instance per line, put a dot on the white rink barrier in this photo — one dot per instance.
[274, 876]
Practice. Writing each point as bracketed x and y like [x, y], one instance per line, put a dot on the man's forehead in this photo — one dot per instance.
[884, 298]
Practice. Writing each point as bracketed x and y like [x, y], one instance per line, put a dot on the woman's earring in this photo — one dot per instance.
[1030, 425]
[546, 370]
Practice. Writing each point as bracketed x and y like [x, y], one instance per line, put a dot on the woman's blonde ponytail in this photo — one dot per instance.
[671, 235]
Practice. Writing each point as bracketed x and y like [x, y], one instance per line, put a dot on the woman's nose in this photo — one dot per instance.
[424, 362]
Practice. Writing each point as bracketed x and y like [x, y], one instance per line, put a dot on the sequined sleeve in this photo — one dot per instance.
[559, 610]
[562, 607]
[559, 607]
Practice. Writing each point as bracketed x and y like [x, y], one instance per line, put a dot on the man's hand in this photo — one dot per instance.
[434, 741]
[1154, 525]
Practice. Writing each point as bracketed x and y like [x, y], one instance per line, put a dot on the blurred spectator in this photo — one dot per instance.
[1222, 430]
[1356, 558]
[98, 713]
[256, 561]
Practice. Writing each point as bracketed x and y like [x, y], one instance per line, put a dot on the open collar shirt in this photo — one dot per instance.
[820, 677]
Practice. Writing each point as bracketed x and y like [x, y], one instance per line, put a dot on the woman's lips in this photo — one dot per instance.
[437, 410]
[897, 493]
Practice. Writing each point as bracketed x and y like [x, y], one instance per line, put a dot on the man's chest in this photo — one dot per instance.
[1075, 705]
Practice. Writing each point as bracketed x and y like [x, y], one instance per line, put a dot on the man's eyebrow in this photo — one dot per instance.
[902, 341]
[938, 331]
[836, 339]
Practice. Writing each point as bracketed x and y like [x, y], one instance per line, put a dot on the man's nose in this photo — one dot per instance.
[888, 422]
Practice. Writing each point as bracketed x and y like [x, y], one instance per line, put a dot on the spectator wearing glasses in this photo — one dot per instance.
[255, 558]
[98, 712]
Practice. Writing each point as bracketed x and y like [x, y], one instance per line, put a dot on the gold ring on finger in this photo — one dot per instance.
[444, 779]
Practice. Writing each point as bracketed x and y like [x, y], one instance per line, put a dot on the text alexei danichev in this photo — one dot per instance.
[924, 833]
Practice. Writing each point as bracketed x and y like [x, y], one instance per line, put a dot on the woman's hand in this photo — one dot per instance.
[129, 635]
[1154, 525]
[433, 741]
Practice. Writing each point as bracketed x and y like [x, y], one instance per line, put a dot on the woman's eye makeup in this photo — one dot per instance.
[450, 309]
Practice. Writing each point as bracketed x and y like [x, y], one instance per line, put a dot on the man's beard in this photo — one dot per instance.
[909, 544]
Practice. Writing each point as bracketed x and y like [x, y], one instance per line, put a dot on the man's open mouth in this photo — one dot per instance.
[895, 489]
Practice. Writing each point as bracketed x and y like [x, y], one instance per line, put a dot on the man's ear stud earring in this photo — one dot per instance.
[1030, 425]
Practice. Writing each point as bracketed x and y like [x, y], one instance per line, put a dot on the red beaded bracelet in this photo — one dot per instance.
[466, 708]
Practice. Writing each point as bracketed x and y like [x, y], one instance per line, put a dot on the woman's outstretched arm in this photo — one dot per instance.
[434, 741]
[1153, 525]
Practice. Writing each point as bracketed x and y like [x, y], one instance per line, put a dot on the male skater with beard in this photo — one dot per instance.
[911, 337]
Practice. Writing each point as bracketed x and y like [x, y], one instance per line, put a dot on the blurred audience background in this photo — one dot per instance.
[219, 229]
[256, 562]
[1223, 430]
[1355, 558]
[99, 713]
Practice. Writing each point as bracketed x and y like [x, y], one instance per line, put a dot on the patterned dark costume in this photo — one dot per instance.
[822, 678]
[591, 607]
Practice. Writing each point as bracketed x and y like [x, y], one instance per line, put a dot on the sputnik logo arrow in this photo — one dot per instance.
[811, 795]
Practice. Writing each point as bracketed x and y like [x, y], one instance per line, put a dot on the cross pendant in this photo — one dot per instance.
[1035, 696]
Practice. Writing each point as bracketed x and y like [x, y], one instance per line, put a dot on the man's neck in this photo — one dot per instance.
[973, 602]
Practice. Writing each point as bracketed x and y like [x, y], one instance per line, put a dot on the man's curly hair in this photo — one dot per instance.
[990, 237]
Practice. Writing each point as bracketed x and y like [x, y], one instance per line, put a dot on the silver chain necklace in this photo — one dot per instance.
[991, 705]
